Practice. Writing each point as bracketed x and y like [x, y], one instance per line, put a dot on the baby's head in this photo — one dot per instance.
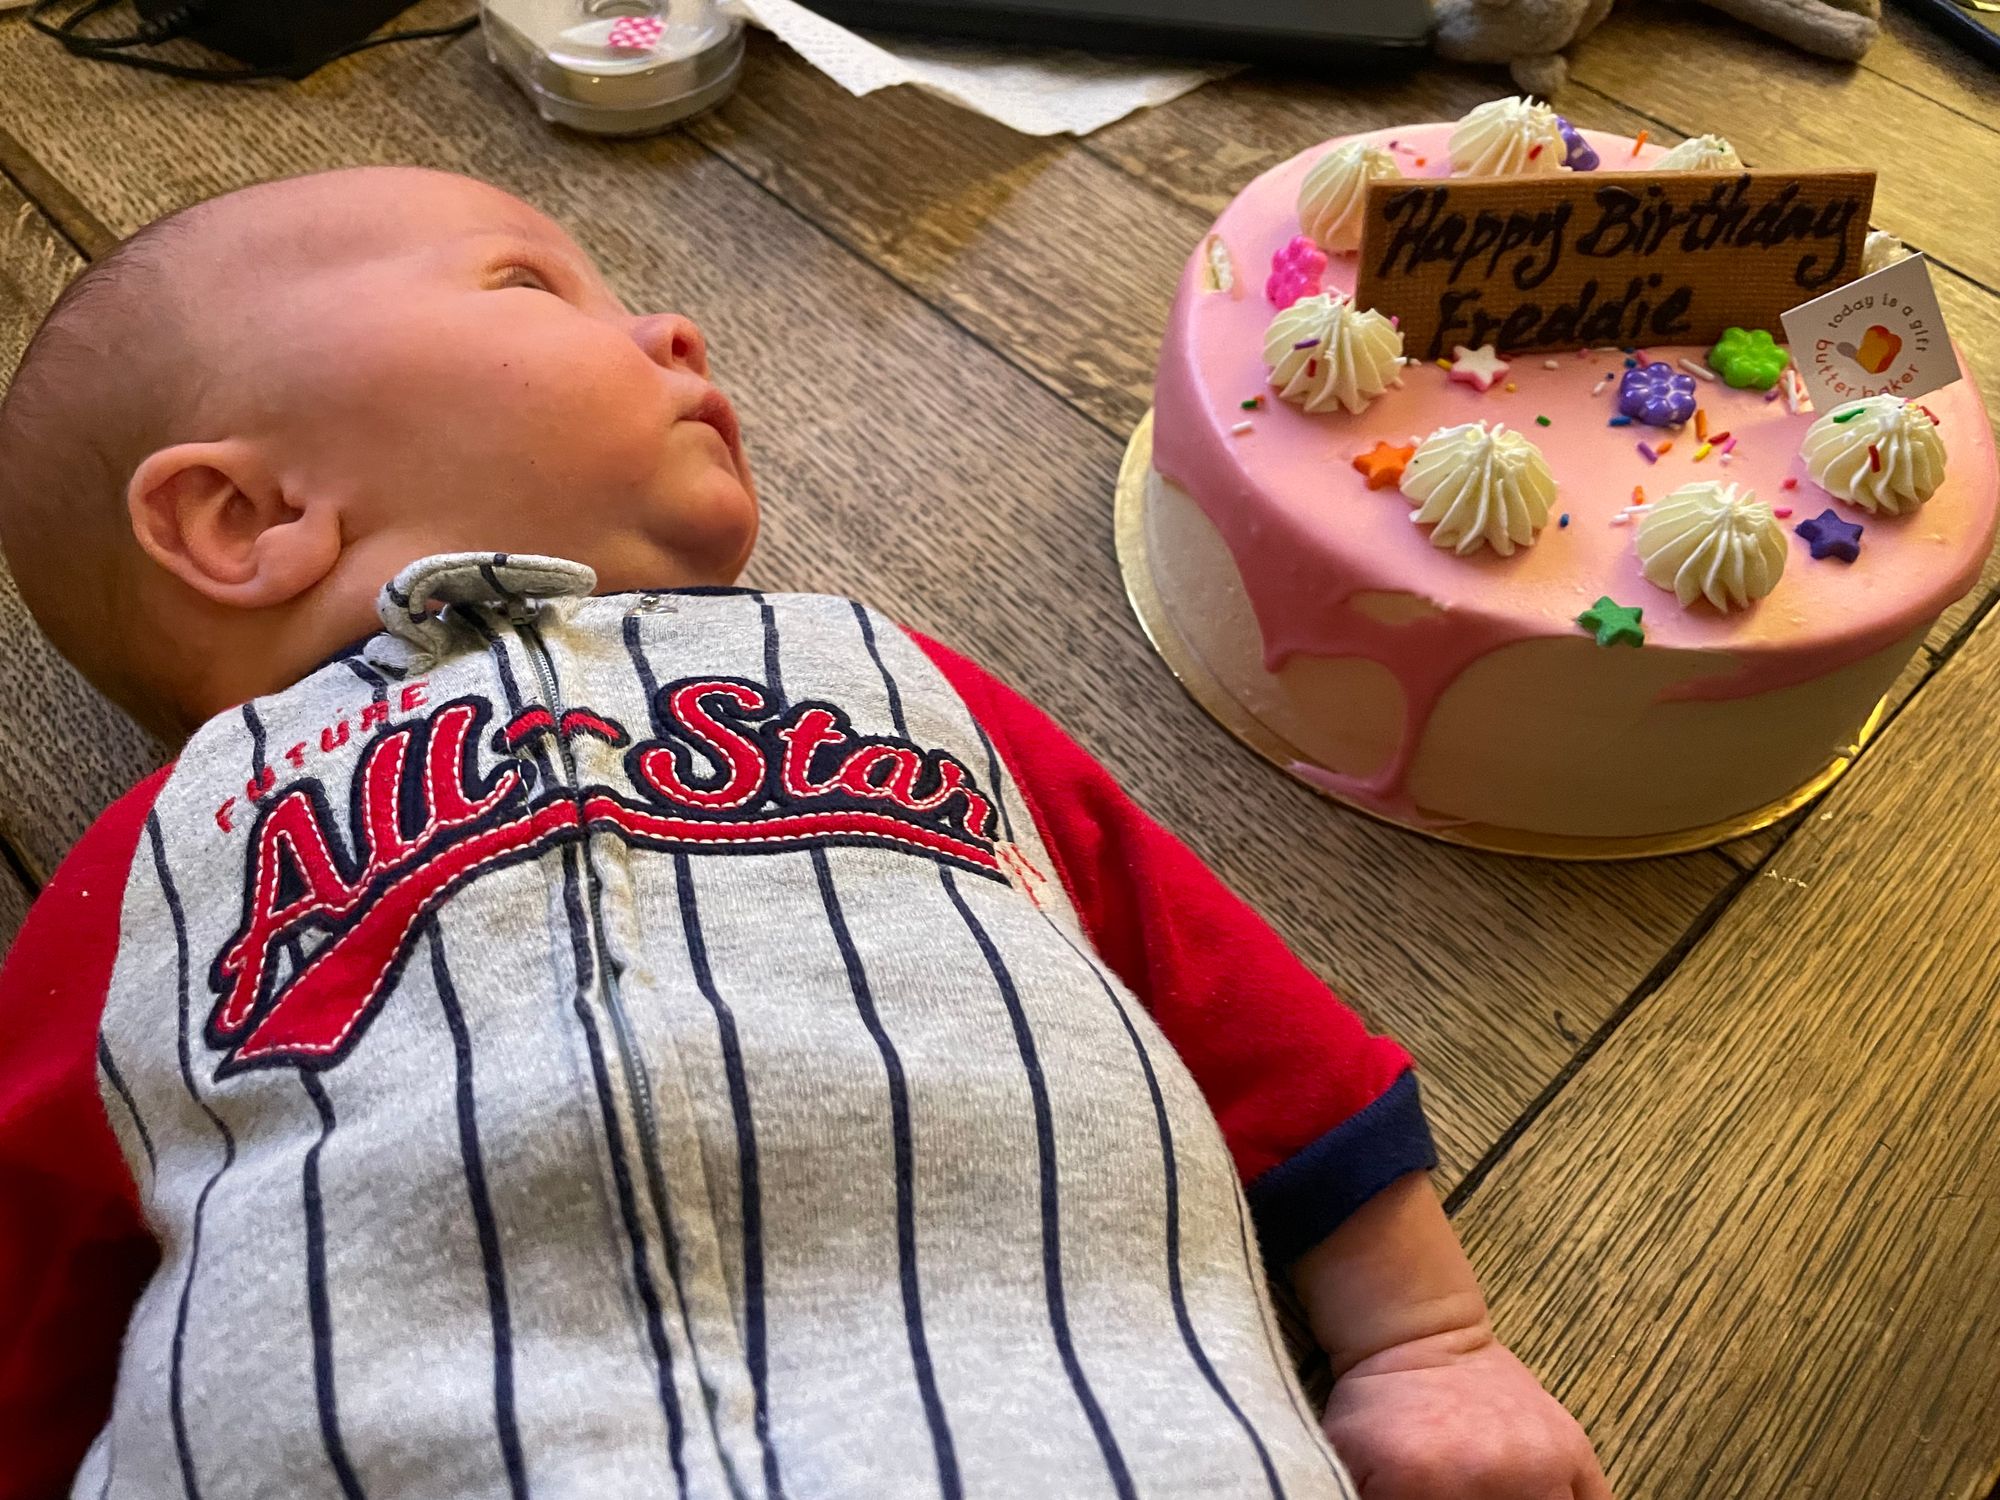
[232, 431]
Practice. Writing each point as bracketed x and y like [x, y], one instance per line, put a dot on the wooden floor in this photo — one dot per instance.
[1722, 1131]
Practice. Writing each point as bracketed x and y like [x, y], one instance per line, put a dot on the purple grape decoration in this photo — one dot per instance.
[1657, 394]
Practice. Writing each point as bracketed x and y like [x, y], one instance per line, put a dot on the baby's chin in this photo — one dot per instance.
[706, 518]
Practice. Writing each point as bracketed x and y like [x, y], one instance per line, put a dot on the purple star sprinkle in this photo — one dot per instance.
[1829, 536]
[1656, 394]
[1577, 155]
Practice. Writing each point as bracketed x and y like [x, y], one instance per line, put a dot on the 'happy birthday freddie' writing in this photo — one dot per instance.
[1574, 259]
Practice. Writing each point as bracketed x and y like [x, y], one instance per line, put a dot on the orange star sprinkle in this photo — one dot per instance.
[1382, 466]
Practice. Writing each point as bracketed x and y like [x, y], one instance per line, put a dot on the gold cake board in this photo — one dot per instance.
[1200, 684]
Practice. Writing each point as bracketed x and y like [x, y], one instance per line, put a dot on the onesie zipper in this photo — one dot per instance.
[632, 1066]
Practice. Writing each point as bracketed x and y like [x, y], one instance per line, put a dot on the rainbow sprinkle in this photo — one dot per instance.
[1701, 423]
[1703, 451]
[1255, 403]
[1306, 344]
[1790, 482]
[1598, 389]
[1782, 512]
[1649, 453]
[1620, 421]
[1564, 519]
[1541, 421]
[1639, 140]
[1699, 370]
[1240, 428]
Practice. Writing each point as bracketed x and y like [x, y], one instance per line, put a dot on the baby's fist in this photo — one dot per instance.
[1457, 1417]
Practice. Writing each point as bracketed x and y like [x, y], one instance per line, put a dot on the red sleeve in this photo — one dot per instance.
[74, 1249]
[1319, 1113]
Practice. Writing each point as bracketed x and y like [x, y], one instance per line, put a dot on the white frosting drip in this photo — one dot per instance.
[1707, 541]
[1335, 192]
[1881, 250]
[1701, 153]
[1350, 358]
[1501, 137]
[1479, 487]
[1908, 465]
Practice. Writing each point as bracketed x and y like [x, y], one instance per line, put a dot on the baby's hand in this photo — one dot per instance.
[1457, 1417]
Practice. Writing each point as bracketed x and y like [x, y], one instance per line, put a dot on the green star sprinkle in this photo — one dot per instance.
[1613, 624]
[1748, 358]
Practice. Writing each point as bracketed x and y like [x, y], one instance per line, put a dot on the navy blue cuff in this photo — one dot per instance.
[1310, 1194]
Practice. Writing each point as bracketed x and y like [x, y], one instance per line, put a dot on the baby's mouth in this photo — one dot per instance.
[715, 410]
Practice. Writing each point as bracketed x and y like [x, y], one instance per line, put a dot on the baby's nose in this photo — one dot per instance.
[672, 342]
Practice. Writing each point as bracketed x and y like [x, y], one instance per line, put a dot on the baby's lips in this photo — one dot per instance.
[715, 410]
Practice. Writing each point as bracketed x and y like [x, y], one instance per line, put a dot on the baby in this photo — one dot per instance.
[569, 1026]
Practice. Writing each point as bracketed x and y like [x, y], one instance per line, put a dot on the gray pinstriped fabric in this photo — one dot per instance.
[824, 1168]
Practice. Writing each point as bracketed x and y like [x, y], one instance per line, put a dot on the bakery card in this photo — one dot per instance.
[1881, 335]
[1573, 259]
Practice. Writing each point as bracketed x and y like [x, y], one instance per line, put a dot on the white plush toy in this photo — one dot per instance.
[1529, 35]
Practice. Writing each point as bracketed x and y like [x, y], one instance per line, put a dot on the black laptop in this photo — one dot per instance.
[1305, 33]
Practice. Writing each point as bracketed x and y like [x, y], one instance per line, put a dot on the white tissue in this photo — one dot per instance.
[1036, 93]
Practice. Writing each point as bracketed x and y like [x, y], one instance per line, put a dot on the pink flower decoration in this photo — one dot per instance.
[636, 33]
[1296, 272]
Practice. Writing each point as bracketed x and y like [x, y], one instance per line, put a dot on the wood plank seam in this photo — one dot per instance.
[13, 859]
[1959, 637]
[1655, 977]
[36, 186]
[1943, 104]
[939, 308]
[61, 209]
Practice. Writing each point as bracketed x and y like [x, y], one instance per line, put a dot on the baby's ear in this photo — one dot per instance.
[217, 517]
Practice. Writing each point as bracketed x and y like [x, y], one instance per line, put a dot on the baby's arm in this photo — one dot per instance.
[1327, 1130]
[74, 1250]
[1427, 1403]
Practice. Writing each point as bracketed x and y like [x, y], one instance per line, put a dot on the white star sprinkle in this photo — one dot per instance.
[1478, 368]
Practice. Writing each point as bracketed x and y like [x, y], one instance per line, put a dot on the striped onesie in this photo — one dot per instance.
[702, 1043]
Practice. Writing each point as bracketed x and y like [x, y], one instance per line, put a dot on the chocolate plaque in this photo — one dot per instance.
[1576, 259]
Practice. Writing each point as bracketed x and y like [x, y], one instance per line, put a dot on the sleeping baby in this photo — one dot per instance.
[566, 1025]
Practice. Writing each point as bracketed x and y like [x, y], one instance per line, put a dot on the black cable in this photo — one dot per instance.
[173, 24]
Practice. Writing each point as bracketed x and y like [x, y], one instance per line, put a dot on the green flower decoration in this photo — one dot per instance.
[1748, 358]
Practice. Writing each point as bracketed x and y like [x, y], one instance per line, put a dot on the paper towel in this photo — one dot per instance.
[1036, 92]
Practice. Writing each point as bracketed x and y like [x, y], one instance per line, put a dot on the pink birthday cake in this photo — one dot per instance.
[1622, 591]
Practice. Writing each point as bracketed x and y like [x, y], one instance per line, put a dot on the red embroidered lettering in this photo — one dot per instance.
[413, 696]
[296, 877]
[740, 757]
[418, 835]
[858, 777]
[261, 785]
[292, 839]
[812, 729]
